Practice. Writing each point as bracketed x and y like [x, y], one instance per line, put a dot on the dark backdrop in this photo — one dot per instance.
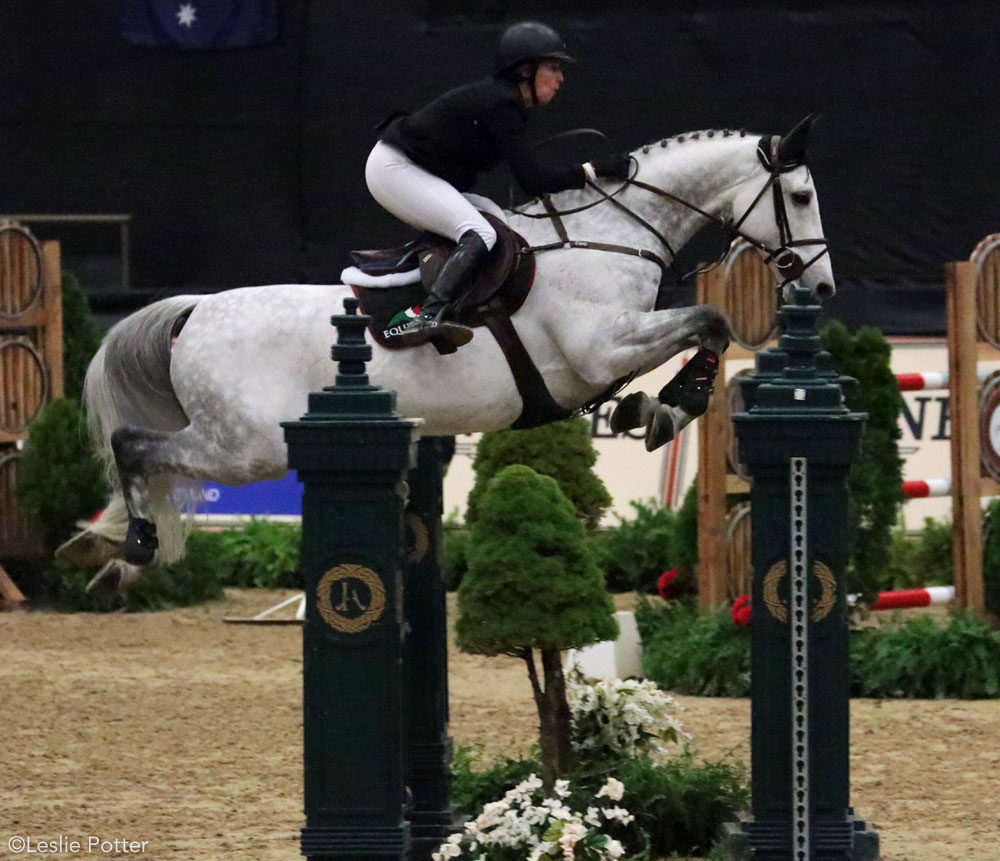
[246, 166]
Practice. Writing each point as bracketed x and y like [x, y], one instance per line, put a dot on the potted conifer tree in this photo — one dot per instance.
[533, 586]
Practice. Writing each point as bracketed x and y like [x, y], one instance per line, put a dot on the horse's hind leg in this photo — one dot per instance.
[141, 454]
[137, 454]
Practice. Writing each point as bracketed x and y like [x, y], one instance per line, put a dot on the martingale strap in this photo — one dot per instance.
[538, 405]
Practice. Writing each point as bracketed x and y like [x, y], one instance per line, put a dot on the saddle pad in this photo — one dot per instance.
[508, 274]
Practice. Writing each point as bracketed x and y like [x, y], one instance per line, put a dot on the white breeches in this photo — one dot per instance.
[423, 200]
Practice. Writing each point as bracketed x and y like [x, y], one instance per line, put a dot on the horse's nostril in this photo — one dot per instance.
[824, 290]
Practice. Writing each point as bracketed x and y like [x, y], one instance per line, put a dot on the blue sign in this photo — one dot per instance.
[283, 496]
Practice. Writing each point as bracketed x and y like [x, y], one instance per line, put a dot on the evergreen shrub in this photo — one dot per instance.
[922, 658]
[921, 560]
[476, 781]
[454, 552]
[532, 582]
[59, 479]
[180, 584]
[684, 551]
[690, 652]
[991, 556]
[81, 335]
[707, 655]
[634, 553]
[263, 554]
[561, 450]
[876, 479]
[681, 805]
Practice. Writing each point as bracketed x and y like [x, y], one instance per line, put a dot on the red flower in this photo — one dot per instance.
[664, 581]
[741, 611]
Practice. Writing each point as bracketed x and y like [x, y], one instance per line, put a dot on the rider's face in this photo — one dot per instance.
[548, 80]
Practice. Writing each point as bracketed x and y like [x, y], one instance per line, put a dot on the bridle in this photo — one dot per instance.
[786, 260]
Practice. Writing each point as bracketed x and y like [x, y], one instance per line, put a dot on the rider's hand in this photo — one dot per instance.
[615, 166]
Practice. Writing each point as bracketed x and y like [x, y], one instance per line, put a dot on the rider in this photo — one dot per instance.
[424, 161]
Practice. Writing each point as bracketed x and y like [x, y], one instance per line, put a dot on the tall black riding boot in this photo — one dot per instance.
[469, 254]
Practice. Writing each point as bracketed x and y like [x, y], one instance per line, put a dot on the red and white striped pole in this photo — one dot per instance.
[921, 488]
[931, 380]
[898, 599]
[902, 599]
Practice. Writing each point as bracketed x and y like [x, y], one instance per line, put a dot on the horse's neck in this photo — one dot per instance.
[705, 173]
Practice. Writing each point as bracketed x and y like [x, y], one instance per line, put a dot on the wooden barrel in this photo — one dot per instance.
[20, 270]
[23, 384]
[739, 563]
[986, 256]
[751, 300]
[734, 403]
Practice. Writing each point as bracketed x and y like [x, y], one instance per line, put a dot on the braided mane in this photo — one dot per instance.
[697, 135]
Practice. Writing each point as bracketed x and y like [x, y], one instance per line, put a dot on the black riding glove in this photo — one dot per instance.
[615, 166]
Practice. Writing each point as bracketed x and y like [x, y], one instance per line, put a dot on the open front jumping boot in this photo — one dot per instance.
[693, 385]
[469, 254]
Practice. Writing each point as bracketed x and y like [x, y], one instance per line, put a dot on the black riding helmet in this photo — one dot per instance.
[525, 41]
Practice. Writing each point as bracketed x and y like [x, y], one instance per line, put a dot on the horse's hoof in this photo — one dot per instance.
[633, 411]
[141, 543]
[87, 550]
[116, 576]
[660, 429]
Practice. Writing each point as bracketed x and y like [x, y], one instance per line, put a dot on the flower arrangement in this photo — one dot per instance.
[526, 826]
[622, 718]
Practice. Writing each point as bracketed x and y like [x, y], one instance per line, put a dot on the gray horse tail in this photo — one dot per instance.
[128, 383]
[128, 380]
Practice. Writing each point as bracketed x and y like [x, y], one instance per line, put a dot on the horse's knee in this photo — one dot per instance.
[715, 331]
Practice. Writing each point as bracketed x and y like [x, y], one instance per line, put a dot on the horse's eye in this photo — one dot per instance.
[802, 198]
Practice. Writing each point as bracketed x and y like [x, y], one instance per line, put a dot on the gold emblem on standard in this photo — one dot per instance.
[821, 607]
[421, 538]
[350, 598]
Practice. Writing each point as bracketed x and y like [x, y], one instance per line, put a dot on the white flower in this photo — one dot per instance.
[516, 825]
[447, 850]
[614, 849]
[622, 718]
[619, 813]
[613, 789]
[572, 833]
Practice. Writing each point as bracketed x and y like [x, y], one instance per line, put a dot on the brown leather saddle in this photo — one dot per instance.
[504, 279]
[499, 289]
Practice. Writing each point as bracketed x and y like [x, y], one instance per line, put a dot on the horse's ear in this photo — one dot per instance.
[792, 148]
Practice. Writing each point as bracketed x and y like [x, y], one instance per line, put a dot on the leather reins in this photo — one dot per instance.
[788, 262]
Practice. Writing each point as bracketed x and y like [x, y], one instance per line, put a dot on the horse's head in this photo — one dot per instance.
[777, 210]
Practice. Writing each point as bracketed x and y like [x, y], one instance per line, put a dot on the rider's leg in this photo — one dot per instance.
[457, 272]
[420, 198]
[428, 202]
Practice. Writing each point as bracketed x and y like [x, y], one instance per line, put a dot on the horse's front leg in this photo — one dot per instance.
[686, 396]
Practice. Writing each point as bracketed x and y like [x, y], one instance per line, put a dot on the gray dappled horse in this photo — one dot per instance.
[195, 387]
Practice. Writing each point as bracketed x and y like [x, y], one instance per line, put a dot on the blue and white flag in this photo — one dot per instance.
[200, 24]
